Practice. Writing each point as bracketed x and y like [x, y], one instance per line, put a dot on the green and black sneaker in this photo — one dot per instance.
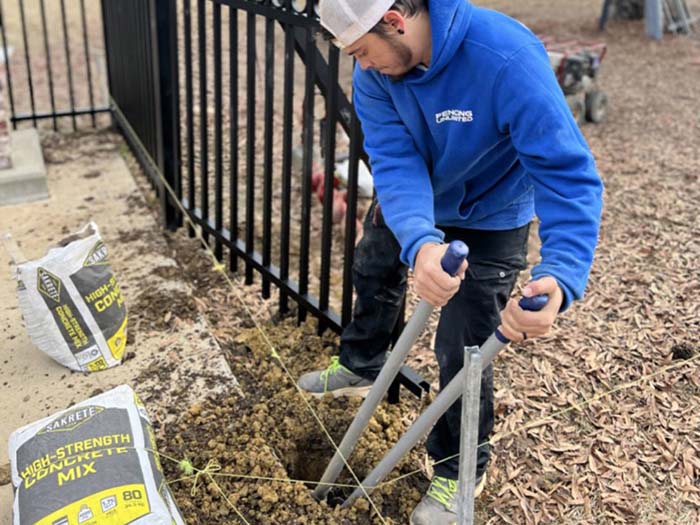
[439, 505]
[336, 380]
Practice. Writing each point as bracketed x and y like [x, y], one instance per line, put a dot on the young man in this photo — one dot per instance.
[469, 136]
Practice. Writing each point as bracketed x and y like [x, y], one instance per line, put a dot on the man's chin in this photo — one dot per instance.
[398, 73]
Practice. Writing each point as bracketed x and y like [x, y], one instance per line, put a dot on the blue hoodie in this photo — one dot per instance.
[482, 139]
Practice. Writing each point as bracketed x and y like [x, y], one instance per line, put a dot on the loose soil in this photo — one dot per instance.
[272, 433]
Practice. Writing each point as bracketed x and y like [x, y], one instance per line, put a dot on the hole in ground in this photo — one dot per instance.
[307, 459]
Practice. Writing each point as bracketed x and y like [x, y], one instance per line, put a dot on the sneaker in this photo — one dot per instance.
[439, 505]
[336, 380]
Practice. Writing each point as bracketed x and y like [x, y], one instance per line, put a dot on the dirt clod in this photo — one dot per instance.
[682, 351]
[5, 477]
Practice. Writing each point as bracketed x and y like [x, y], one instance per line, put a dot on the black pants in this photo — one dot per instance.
[379, 277]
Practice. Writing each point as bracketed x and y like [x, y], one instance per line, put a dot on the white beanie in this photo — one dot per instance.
[349, 20]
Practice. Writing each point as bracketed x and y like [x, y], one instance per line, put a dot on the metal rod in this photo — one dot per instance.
[66, 43]
[87, 60]
[218, 132]
[682, 13]
[26, 58]
[387, 374]
[8, 73]
[189, 105]
[152, 125]
[288, 133]
[167, 110]
[329, 176]
[250, 145]
[469, 435]
[425, 422]
[109, 67]
[233, 103]
[308, 145]
[48, 65]
[267, 154]
[58, 114]
[351, 217]
[203, 114]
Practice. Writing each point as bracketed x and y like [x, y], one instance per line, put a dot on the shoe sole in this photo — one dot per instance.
[350, 391]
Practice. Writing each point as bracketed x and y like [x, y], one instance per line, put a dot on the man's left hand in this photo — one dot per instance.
[518, 324]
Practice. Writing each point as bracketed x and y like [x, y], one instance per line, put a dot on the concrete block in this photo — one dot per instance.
[25, 181]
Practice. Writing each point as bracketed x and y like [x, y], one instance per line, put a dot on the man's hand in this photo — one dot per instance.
[518, 324]
[432, 282]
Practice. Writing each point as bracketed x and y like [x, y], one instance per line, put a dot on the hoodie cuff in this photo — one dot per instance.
[408, 255]
[569, 295]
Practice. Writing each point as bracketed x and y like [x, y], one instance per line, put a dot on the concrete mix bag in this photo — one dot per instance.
[72, 304]
[92, 464]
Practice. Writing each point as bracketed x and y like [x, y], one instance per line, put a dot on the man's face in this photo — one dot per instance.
[382, 53]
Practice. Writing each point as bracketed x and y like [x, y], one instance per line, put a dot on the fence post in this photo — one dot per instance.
[164, 27]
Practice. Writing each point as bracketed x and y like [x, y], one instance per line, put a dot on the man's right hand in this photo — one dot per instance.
[432, 282]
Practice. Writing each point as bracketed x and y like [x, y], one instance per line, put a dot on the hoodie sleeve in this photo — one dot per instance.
[530, 106]
[400, 174]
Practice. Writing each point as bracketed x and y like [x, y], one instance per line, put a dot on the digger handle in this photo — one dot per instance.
[456, 252]
[533, 304]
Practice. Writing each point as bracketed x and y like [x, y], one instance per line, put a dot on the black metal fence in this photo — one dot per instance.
[224, 96]
[240, 107]
[53, 62]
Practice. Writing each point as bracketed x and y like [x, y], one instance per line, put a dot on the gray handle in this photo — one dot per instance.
[456, 252]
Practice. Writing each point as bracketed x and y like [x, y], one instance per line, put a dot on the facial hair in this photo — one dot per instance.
[404, 57]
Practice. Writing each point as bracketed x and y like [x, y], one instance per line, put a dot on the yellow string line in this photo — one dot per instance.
[575, 406]
[217, 265]
[228, 500]
[187, 467]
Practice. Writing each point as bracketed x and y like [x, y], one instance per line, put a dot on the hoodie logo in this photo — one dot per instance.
[454, 115]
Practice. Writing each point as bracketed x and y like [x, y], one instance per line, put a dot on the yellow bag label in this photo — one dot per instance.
[115, 506]
[117, 343]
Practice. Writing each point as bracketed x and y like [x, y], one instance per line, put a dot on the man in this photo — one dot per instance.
[469, 136]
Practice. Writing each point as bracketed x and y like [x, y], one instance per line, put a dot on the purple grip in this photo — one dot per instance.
[456, 252]
[531, 304]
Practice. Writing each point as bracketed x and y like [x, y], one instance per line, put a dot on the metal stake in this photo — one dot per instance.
[469, 435]
[654, 18]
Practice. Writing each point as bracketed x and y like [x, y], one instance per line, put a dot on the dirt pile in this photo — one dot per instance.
[273, 434]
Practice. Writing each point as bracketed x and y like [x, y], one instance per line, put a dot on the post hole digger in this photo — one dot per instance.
[456, 253]
[451, 262]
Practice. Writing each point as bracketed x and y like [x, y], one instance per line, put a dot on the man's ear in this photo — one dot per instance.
[396, 20]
